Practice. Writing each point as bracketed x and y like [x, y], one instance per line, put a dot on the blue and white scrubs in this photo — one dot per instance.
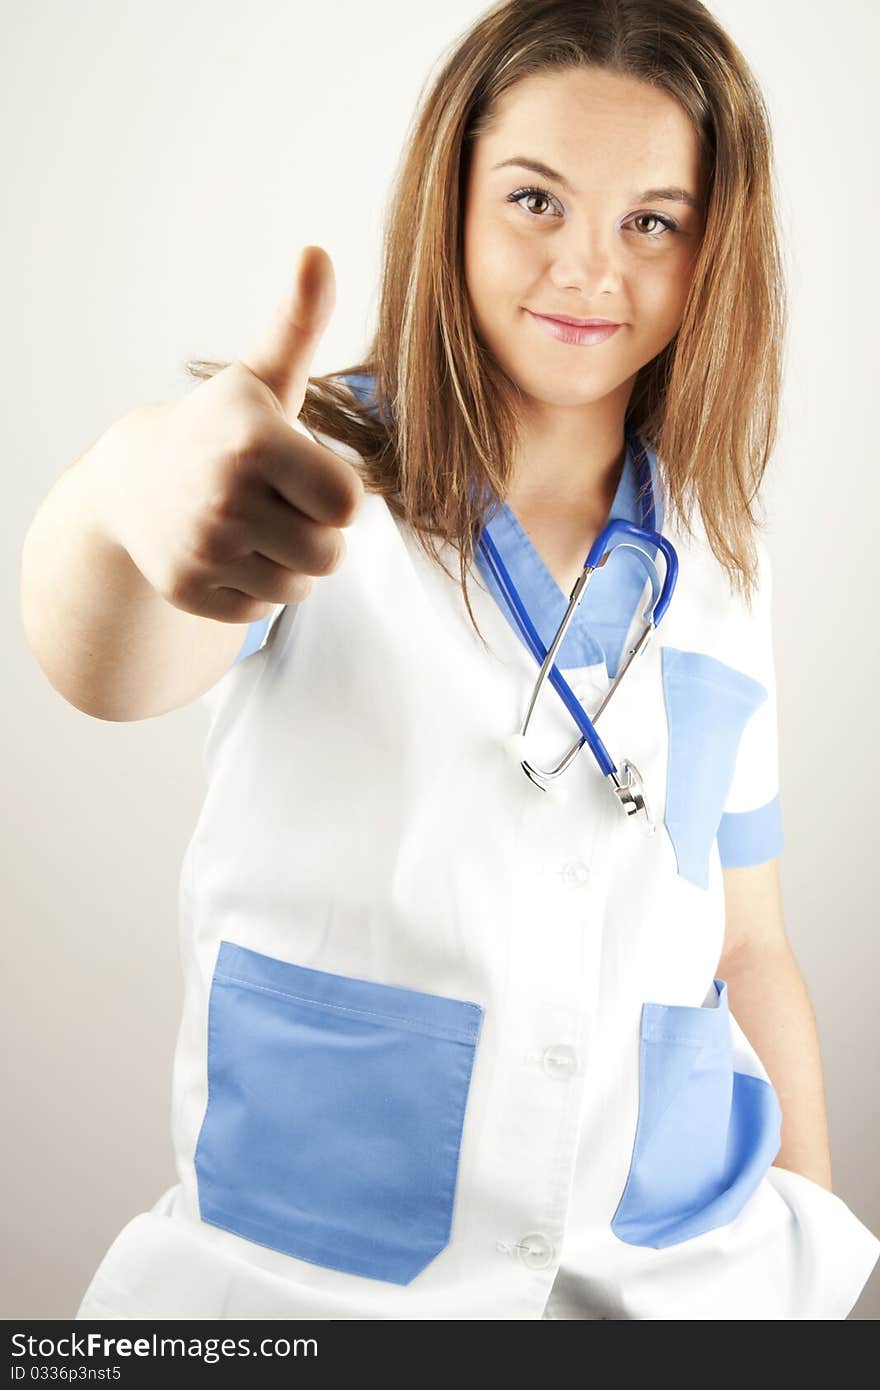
[453, 1047]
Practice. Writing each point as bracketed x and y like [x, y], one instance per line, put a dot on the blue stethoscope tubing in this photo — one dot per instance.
[616, 530]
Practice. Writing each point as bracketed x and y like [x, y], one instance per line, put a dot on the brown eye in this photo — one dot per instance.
[665, 222]
[522, 193]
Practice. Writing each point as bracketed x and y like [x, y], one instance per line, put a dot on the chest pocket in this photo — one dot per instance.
[708, 1127]
[335, 1114]
[708, 705]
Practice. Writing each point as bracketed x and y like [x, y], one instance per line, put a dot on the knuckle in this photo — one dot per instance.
[351, 499]
[245, 455]
[220, 531]
[330, 555]
[183, 589]
[210, 542]
[300, 588]
[247, 609]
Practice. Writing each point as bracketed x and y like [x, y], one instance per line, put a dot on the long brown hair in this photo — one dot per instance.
[437, 442]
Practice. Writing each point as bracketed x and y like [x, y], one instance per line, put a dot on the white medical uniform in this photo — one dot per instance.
[453, 1047]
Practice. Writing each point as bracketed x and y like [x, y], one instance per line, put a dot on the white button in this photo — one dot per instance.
[535, 1250]
[575, 873]
[560, 1060]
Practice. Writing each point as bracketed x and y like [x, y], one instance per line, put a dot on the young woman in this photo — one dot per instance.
[456, 1045]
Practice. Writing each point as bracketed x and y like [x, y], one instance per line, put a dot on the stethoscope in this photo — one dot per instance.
[626, 782]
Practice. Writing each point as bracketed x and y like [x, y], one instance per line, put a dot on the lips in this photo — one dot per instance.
[581, 323]
[576, 334]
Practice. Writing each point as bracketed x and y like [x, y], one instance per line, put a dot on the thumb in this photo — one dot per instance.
[282, 358]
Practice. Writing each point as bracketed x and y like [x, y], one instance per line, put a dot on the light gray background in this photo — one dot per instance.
[162, 166]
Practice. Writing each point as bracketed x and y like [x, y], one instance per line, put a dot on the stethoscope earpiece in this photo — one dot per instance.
[516, 747]
[555, 788]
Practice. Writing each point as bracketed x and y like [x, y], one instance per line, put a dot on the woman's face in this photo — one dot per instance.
[590, 243]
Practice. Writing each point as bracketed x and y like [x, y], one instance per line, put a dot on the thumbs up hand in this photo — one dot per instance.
[225, 507]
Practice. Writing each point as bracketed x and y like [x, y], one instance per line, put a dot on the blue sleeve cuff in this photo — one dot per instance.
[750, 837]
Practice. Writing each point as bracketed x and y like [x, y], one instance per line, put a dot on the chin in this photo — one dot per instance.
[564, 390]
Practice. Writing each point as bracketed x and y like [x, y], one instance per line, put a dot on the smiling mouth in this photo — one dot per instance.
[577, 334]
[578, 323]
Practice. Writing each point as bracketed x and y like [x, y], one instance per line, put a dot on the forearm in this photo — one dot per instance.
[102, 635]
[768, 997]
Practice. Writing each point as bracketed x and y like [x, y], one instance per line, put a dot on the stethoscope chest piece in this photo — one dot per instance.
[630, 792]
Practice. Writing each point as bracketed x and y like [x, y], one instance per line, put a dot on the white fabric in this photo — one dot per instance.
[366, 815]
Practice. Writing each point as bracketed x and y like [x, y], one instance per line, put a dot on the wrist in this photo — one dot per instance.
[102, 477]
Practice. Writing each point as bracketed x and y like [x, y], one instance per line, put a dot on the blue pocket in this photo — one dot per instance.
[708, 704]
[335, 1114]
[706, 1133]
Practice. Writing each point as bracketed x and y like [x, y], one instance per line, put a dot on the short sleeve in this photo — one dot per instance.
[750, 830]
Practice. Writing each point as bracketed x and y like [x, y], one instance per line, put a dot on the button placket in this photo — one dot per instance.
[555, 876]
[535, 1250]
[560, 1061]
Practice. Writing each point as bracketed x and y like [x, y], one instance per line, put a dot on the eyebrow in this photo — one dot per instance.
[648, 195]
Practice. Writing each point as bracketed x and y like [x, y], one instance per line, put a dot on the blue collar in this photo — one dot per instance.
[599, 628]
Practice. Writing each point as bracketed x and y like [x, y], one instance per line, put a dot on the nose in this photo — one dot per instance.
[587, 261]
